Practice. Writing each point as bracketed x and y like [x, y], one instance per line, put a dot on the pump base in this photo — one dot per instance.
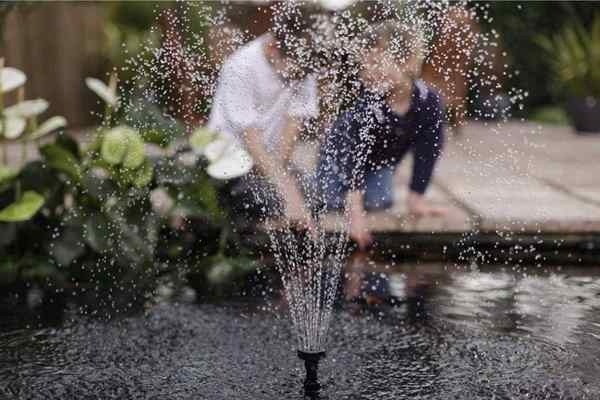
[311, 363]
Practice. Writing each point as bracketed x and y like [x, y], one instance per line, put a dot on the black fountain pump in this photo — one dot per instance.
[311, 363]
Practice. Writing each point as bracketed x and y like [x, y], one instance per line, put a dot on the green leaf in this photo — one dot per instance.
[136, 151]
[97, 232]
[61, 160]
[40, 272]
[224, 269]
[36, 176]
[143, 175]
[23, 209]
[7, 174]
[154, 125]
[98, 187]
[68, 246]
[204, 195]
[114, 144]
[9, 271]
[168, 172]
[68, 143]
[9, 233]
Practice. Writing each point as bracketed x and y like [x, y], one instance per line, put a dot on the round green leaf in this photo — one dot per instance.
[114, 145]
[136, 151]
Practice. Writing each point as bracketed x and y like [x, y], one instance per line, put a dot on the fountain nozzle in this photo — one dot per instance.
[311, 363]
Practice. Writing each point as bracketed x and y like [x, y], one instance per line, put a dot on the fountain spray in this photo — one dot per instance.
[311, 363]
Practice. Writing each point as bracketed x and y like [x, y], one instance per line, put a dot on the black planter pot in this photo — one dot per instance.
[585, 114]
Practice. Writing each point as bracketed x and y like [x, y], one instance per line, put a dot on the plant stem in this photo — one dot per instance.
[107, 121]
[17, 190]
[223, 239]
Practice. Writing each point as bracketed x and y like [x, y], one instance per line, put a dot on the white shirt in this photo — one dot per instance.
[250, 94]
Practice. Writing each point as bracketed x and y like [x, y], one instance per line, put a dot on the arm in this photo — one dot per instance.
[236, 98]
[427, 146]
[274, 170]
[359, 229]
[341, 170]
[288, 141]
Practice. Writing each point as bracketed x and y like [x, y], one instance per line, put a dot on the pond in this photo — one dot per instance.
[418, 331]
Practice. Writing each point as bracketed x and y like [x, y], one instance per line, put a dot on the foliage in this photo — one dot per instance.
[518, 24]
[552, 115]
[23, 209]
[107, 215]
[574, 55]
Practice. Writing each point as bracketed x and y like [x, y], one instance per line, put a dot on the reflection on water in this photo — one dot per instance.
[556, 306]
[402, 332]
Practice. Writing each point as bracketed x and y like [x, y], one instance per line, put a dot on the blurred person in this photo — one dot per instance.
[264, 95]
[222, 40]
[448, 64]
[395, 114]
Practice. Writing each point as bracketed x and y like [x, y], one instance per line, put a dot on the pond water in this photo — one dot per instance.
[406, 332]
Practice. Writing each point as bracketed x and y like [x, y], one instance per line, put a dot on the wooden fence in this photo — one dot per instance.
[57, 44]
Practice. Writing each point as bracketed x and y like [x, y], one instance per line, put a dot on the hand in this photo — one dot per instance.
[359, 230]
[419, 207]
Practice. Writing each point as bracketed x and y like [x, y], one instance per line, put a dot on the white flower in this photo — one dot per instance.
[108, 93]
[232, 162]
[27, 108]
[336, 4]
[13, 127]
[215, 149]
[227, 159]
[10, 79]
[51, 124]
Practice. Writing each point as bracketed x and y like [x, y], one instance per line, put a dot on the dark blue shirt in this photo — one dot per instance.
[370, 136]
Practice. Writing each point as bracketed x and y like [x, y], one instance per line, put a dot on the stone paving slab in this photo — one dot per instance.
[537, 184]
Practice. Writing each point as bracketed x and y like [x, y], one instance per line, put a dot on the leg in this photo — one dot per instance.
[379, 192]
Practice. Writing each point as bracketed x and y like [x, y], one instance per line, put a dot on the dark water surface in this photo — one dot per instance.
[421, 332]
